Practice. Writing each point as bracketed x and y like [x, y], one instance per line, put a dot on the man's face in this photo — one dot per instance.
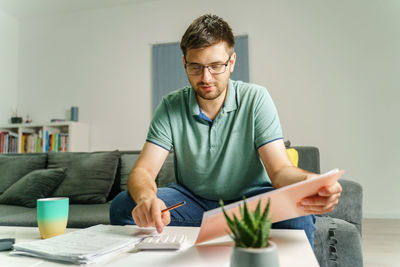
[210, 86]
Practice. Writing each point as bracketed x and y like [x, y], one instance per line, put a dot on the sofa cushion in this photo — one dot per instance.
[293, 156]
[127, 162]
[164, 177]
[80, 215]
[14, 167]
[11, 215]
[167, 172]
[308, 158]
[88, 176]
[34, 185]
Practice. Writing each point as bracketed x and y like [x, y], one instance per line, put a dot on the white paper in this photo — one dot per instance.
[283, 205]
[86, 245]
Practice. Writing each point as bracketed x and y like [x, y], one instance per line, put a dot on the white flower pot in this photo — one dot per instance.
[255, 257]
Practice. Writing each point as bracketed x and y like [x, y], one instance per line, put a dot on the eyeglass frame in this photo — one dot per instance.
[208, 67]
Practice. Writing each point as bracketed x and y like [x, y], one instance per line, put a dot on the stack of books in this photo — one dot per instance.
[31, 142]
[56, 142]
[8, 142]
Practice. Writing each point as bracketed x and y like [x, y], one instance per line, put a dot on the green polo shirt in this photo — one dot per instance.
[218, 160]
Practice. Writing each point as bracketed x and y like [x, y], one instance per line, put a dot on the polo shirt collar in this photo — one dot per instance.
[230, 100]
[230, 103]
[194, 106]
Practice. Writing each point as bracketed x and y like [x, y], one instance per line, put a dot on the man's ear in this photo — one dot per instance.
[183, 61]
[232, 62]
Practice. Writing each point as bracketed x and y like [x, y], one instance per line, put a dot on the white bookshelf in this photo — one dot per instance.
[78, 133]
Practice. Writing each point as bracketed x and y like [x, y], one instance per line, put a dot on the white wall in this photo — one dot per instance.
[9, 39]
[331, 66]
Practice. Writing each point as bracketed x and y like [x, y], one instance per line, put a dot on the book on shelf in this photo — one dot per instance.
[47, 143]
[31, 142]
[42, 138]
[63, 142]
[39, 142]
[8, 142]
[56, 142]
[23, 140]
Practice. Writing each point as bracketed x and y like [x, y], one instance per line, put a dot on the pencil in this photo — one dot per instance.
[173, 206]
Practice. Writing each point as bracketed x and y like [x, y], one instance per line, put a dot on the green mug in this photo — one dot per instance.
[52, 216]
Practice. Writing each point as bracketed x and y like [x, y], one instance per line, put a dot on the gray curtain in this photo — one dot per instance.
[169, 74]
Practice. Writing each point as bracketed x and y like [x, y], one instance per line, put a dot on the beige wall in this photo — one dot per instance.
[331, 67]
[9, 40]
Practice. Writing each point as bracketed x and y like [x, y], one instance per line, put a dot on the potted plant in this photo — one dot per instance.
[250, 232]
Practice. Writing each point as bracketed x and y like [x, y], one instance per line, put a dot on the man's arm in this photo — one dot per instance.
[282, 172]
[143, 189]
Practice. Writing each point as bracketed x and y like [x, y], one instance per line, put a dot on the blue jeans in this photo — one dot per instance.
[191, 214]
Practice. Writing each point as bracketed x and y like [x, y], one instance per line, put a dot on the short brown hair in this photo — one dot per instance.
[205, 31]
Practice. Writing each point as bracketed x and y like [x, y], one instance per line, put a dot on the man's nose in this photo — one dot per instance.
[206, 75]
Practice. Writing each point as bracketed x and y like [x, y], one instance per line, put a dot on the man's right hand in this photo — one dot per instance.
[143, 189]
[148, 213]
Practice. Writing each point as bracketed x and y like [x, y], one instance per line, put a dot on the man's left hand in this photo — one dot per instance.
[324, 201]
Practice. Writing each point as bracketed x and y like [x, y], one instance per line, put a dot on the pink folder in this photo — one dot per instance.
[283, 205]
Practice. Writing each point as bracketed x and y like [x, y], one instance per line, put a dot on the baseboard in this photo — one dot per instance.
[374, 215]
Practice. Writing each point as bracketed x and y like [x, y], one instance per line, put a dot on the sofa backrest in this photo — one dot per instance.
[308, 159]
[128, 160]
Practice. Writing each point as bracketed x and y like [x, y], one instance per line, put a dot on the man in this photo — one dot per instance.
[227, 142]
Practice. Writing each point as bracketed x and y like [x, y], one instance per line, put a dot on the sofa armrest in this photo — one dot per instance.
[337, 243]
[349, 207]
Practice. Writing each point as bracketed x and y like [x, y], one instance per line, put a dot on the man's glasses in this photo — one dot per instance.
[197, 69]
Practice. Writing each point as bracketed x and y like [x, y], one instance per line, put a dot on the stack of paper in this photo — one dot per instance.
[86, 245]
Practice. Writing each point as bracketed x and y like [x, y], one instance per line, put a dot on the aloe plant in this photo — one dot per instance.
[252, 229]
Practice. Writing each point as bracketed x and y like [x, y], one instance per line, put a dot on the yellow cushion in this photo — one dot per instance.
[294, 156]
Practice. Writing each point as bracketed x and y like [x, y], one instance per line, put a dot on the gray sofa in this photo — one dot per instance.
[337, 236]
[337, 239]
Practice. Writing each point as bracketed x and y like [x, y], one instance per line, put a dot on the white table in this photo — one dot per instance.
[293, 249]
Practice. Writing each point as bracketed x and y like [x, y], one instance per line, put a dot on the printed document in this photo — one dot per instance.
[86, 245]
